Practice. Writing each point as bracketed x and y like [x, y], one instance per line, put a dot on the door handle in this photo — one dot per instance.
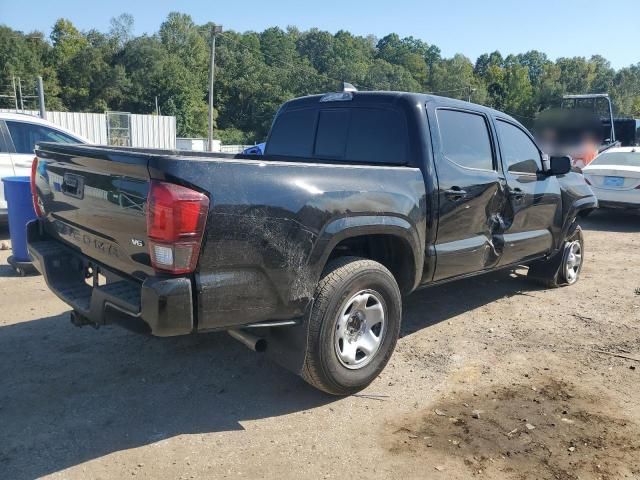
[516, 193]
[455, 193]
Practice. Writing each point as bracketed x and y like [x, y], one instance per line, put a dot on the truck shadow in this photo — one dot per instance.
[71, 395]
[612, 220]
[436, 304]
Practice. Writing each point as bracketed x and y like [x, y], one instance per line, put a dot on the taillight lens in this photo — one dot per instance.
[34, 192]
[176, 217]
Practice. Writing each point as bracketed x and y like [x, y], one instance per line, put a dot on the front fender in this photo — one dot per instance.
[577, 196]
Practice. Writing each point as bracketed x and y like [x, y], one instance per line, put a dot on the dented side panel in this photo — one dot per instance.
[271, 226]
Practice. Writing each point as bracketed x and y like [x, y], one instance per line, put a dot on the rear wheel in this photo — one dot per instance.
[353, 327]
[565, 266]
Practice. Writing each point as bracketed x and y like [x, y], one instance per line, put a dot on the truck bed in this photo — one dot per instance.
[268, 227]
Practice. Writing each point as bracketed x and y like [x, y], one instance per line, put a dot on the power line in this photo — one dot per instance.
[447, 91]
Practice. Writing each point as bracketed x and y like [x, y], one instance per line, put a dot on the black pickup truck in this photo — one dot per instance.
[360, 197]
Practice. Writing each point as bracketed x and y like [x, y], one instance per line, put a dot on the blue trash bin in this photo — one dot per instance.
[17, 193]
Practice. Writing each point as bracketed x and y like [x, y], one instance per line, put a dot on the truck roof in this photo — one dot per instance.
[403, 99]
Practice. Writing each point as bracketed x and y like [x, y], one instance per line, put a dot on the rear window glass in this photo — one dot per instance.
[333, 128]
[465, 139]
[367, 135]
[626, 159]
[292, 134]
[378, 136]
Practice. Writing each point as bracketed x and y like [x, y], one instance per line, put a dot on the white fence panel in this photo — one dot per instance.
[92, 126]
[147, 131]
[153, 131]
[233, 148]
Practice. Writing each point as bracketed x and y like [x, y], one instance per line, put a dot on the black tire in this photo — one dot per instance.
[343, 278]
[552, 272]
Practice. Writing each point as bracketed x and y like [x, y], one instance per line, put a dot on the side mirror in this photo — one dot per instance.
[559, 165]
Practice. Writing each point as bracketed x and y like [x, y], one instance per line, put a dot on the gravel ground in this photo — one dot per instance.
[493, 378]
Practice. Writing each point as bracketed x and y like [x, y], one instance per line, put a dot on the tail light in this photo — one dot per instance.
[34, 192]
[176, 217]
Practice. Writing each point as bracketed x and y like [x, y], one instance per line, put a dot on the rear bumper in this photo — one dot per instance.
[617, 198]
[616, 204]
[160, 306]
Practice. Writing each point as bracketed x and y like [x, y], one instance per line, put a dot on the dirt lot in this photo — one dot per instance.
[79, 403]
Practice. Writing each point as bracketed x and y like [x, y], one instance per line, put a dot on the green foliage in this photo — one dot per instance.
[257, 71]
[232, 136]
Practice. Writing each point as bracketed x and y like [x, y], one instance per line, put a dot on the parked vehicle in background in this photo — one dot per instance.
[614, 177]
[19, 134]
[307, 250]
[627, 131]
[582, 128]
[257, 149]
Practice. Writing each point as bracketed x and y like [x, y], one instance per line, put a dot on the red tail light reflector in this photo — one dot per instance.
[34, 192]
[176, 217]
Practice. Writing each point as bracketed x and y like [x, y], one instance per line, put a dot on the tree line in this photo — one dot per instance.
[257, 71]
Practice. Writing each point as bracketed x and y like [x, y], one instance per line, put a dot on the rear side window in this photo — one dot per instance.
[519, 153]
[367, 135]
[293, 133]
[465, 139]
[26, 135]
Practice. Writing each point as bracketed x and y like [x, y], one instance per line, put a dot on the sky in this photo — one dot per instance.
[560, 28]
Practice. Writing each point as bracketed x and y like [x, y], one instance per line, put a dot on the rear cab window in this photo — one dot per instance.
[360, 134]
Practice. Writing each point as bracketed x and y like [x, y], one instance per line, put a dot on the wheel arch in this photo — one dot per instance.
[392, 241]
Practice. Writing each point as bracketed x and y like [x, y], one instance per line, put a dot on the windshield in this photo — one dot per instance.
[626, 159]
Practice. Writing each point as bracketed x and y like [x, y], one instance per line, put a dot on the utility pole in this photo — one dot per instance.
[214, 31]
[15, 94]
[20, 92]
[471, 90]
[43, 110]
[157, 110]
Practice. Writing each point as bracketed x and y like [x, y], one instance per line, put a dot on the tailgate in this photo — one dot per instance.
[94, 199]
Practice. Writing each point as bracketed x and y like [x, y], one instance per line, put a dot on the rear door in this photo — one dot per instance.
[471, 192]
[533, 215]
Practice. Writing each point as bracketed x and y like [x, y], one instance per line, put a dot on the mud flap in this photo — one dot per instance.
[287, 346]
[547, 271]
